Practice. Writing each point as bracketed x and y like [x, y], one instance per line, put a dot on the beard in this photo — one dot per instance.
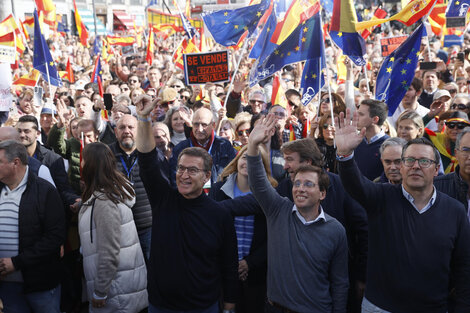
[128, 144]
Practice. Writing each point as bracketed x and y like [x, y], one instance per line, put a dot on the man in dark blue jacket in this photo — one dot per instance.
[203, 136]
[419, 242]
[32, 230]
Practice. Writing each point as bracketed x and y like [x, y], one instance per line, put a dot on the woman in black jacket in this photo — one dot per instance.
[251, 234]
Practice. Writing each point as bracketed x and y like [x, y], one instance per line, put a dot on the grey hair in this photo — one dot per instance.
[14, 149]
[464, 131]
[122, 98]
[394, 141]
[257, 92]
[461, 96]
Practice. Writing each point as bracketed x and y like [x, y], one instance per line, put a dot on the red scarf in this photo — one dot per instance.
[207, 146]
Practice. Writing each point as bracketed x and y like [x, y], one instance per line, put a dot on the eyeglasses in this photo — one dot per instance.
[325, 126]
[459, 106]
[192, 171]
[306, 184]
[244, 132]
[256, 101]
[325, 100]
[397, 162]
[279, 114]
[464, 150]
[287, 80]
[176, 86]
[185, 97]
[452, 90]
[423, 162]
[452, 125]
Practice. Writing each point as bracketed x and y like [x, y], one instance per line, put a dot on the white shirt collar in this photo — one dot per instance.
[412, 200]
[320, 216]
[375, 138]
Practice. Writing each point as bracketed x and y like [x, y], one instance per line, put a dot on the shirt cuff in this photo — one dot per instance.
[96, 297]
[345, 158]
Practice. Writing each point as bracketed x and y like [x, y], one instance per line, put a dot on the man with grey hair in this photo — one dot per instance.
[456, 184]
[32, 230]
[390, 155]
[256, 100]
[460, 102]
[203, 136]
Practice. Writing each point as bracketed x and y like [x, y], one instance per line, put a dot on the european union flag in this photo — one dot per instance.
[457, 8]
[188, 28]
[398, 69]
[302, 44]
[42, 59]
[312, 79]
[263, 46]
[97, 45]
[227, 26]
[97, 70]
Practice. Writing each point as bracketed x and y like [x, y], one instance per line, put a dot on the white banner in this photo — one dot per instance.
[5, 87]
[7, 54]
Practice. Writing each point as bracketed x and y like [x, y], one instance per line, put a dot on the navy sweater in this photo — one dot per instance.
[194, 248]
[367, 157]
[412, 256]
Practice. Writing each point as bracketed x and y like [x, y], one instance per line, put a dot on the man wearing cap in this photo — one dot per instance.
[430, 83]
[168, 99]
[440, 104]
[46, 121]
[79, 87]
[445, 141]
[410, 101]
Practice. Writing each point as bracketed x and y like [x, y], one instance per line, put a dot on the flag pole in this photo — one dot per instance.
[366, 77]
[47, 65]
[245, 45]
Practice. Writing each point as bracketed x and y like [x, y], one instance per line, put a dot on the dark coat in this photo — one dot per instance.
[454, 186]
[41, 233]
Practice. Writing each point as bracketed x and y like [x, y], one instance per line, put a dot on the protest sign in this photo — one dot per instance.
[5, 87]
[389, 44]
[200, 68]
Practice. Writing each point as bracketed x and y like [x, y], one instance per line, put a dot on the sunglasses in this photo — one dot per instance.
[176, 86]
[452, 125]
[166, 104]
[459, 106]
[452, 90]
[185, 97]
[245, 132]
[325, 126]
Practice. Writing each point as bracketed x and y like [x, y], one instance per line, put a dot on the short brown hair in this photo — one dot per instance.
[323, 179]
[306, 148]
[88, 124]
[199, 153]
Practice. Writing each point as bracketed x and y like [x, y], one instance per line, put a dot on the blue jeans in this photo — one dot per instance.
[15, 301]
[145, 238]
[212, 309]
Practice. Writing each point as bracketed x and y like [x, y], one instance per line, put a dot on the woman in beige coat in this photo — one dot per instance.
[113, 262]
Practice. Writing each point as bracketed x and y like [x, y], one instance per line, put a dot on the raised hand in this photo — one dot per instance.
[347, 137]
[144, 105]
[261, 133]
[239, 83]
[62, 111]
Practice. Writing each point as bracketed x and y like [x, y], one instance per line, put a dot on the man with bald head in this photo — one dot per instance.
[203, 136]
[125, 152]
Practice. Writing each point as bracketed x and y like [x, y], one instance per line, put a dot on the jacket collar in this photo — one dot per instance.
[227, 188]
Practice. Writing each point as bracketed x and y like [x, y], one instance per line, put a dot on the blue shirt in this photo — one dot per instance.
[244, 227]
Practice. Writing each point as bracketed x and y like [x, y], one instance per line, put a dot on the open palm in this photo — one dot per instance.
[347, 137]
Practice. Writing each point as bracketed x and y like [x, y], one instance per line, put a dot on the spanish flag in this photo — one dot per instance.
[81, 28]
[45, 5]
[9, 25]
[298, 12]
[437, 18]
[121, 41]
[278, 96]
[29, 80]
[150, 48]
[378, 14]
[411, 13]
[68, 73]
[185, 47]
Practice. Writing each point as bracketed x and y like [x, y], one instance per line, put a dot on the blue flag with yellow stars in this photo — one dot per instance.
[263, 46]
[457, 8]
[227, 26]
[312, 79]
[97, 45]
[398, 69]
[42, 59]
[302, 44]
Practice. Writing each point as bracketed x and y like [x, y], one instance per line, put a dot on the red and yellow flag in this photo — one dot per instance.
[24, 30]
[185, 47]
[150, 48]
[299, 11]
[121, 41]
[9, 25]
[45, 5]
[278, 96]
[29, 80]
[81, 28]
[437, 18]
[378, 14]
[411, 13]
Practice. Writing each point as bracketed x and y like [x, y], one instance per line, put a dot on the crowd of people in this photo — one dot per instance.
[174, 202]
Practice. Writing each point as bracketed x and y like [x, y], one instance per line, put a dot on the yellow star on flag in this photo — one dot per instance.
[258, 14]
[340, 34]
[276, 52]
[314, 76]
[403, 71]
[268, 29]
[305, 29]
[389, 69]
[417, 54]
[245, 28]
[392, 59]
[282, 55]
[225, 13]
[51, 63]
[235, 26]
[304, 39]
[306, 76]
[403, 83]
[457, 3]
[288, 53]
[226, 22]
[297, 48]
[408, 61]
